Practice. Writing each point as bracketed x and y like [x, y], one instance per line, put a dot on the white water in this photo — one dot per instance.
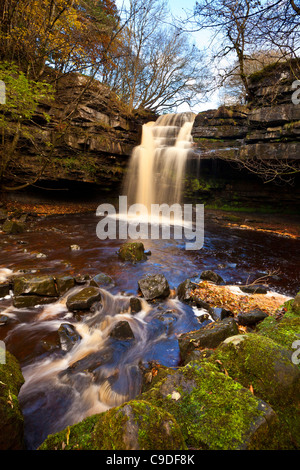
[157, 167]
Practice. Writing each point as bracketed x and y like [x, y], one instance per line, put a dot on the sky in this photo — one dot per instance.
[183, 9]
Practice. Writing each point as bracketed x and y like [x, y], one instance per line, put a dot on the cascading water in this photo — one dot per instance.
[157, 166]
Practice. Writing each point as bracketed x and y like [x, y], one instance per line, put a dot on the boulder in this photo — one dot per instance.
[135, 425]
[102, 279]
[122, 331]
[251, 318]
[43, 286]
[254, 289]
[64, 283]
[210, 336]
[68, 336]
[211, 276]
[132, 251]
[28, 301]
[4, 289]
[214, 411]
[13, 227]
[184, 290]
[135, 305]
[255, 360]
[296, 304]
[154, 287]
[11, 418]
[84, 299]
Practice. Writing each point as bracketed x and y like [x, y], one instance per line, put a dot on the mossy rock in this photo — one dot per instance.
[135, 425]
[11, 418]
[284, 331]
[257, 361]
[214, 411]
[42, 285]
[84, 299]
[132, 251]
[13, 227]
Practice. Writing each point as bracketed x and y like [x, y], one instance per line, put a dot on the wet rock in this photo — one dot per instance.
[4, 319]
[11, 418]
[28, 301]
[211, 276]
[64, 283]
[75, 248]
[184, 290]
[102, 279]
[13, 227]
[210, 336]
[135, 305]
[251, 318]
[214, 411]
[296, 304]
[68, 336]
[132, 251]
[81, 279]
[122, 331]
[3, 215]
[43, 286]
[4, 289]
[154, 287]
[40, 255]
[254, 289]
[84, 299]
[135, 425]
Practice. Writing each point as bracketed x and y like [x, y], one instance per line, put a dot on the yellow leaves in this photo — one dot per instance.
[223, 297]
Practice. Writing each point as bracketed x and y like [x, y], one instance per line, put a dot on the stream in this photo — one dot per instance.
[61, 388]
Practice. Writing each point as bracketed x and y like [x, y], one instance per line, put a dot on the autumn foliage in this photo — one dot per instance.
[65, 34]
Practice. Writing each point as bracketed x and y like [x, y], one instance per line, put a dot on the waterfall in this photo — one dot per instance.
[157, 167]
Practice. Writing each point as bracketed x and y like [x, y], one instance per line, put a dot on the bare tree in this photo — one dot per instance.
[158, 68]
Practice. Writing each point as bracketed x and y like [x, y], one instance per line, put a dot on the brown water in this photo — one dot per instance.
[100, 372]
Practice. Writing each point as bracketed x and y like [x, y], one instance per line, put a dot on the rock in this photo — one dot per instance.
[154, 287]
[84, 299]
[13, 227]
[184, 290]
[213, 410]
[4, 319]
[132, 251]
[11, 418]
[64, 283]
[135, 305]
[68, 336]
[135, 425]
[254, 289]
[43, 286]
[122, 331]
[210, 336]
[255, 360]
[28, 301]
[296, 304]
[40, 255]
[4, 289]
[102, 279]
[75, 248]
[81, 279]
[211, 276]
[251, 318]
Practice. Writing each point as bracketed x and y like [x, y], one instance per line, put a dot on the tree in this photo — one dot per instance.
[157, 67]
[22, 98]
[69, 35]
[247, 27]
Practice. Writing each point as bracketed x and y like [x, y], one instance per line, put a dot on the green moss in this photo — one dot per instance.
[213, 410]
[133, 425]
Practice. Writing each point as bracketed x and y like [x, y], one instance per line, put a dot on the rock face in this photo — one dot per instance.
[92, 123]
[267, 128]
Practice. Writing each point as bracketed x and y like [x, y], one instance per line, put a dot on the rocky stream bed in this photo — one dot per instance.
[147, 346]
